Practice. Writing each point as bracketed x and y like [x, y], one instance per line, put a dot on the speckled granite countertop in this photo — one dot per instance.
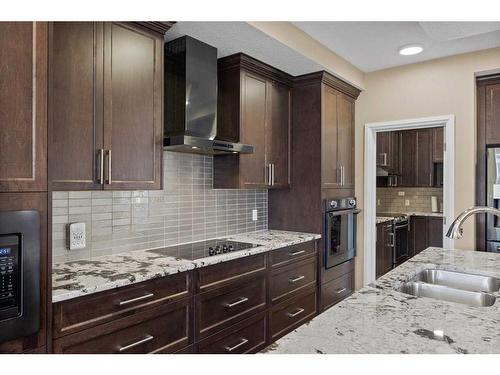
[383, 219]
[83, 277]
[379, 319]
[420, 213]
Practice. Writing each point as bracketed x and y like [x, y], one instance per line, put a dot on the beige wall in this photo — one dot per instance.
[439, 87]
[293, 37]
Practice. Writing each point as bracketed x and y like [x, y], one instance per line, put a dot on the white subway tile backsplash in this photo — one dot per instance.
[186, 210]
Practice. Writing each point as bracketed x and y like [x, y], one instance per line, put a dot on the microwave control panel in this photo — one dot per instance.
[10, 277]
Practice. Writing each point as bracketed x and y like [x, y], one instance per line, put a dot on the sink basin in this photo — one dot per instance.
[459, 280]
[445, 293]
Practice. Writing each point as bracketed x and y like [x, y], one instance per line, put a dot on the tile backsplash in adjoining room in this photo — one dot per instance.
[389, 200]
[187, 209]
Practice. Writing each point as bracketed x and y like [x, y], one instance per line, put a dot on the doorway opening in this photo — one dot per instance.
[412, 178]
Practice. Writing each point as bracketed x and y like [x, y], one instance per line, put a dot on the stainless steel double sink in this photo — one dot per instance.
[451, 286]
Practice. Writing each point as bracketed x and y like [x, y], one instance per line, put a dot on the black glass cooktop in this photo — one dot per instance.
[204, 249]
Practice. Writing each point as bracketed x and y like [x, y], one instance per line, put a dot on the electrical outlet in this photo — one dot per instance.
[76, 236]
[254, 215]
[378, 202]
[401, 193]
[407, 202]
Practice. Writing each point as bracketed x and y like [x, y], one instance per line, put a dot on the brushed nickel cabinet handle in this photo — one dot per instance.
[100, 166]
[236, 303]
[297, 278]
[108, 172]
[136, 299]
[137, 343]
[296, 253]
[341, 290]
[296, 313]
[269, 174]
[430, 179]
[242, 342]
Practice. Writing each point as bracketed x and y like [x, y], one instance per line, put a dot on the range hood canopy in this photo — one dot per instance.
[191, 100]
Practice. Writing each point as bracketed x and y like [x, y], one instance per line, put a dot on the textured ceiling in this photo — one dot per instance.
[234, 37]
[374, 45]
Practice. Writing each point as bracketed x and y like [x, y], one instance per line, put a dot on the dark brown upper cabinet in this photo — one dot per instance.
[492, 113]
[423, 157]
[23, 113]
[388, 151]
[254, 104]
[105, 106]
[438, 145]
[337, 139]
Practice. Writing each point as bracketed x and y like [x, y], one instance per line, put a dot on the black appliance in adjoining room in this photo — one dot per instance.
[493, 199]
[400, 239]
[340, 230]
[19, 274]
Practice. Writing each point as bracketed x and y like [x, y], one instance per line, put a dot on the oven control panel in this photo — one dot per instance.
[10, 277]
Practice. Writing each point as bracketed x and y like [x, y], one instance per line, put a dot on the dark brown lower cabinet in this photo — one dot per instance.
[240, 306]
[383, 249]
[337, 283]
[425, 231]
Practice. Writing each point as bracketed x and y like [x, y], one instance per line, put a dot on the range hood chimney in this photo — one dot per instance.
[191, 100]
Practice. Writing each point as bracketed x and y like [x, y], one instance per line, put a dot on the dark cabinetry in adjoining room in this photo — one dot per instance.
[254, 106]
[105, 106]
[425, 231]
[384, 256]
[411, 158]
[23, 97]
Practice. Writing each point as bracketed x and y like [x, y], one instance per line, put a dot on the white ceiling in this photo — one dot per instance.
[374, 45]
[234, 37]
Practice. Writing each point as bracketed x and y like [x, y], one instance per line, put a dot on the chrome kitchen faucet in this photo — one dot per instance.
[455, 230]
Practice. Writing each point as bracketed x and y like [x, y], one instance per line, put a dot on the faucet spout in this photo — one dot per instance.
[455, 230]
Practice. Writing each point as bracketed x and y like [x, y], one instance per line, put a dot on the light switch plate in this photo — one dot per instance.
[76, 236]
[254, 215]
[407, 202]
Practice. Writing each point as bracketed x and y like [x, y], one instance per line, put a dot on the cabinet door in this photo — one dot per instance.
[437, 145]
[253, 167]
[75, 105]
[435, 231]
[345, 141]
[133, 86]
[423, 155]
[278, 134]
[380, 254]
[493, 114]
[23, 108]
[329, 170]
[419, 233]
[384, 149]
[406, 158]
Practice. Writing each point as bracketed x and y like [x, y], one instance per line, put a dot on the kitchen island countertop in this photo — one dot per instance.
[380, 319]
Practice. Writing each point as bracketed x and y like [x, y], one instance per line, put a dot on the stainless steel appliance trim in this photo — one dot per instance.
[296, 313]
[242, 342]
[296, 278]
[236, 303]
[137, 343]
[136, 299]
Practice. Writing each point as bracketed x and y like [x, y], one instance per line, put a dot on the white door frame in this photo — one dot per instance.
[370, 180]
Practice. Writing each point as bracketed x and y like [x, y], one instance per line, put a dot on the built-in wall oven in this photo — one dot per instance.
[339, 230]
[19, 274]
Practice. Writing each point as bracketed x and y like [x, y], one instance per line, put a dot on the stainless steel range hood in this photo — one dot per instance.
[191, 100]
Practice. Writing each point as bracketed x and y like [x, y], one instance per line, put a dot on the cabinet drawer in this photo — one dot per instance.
[333, 273]
[291, 314]
[292, 253]
[220, 308]
[286, 281]
[335, 291]
[248, 336]
[85, 312]
[162, 329]
[227, 272]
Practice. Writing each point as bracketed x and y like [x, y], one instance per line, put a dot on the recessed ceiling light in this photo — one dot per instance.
[411, 49]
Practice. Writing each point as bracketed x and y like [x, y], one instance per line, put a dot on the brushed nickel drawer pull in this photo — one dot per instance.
[296, 313]
[341, 290]
[136, 299]
[296, 253]
[297, 278]
[100, 165]
[242, 342]
[108, 172]
[137, 343]
[239, 302]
